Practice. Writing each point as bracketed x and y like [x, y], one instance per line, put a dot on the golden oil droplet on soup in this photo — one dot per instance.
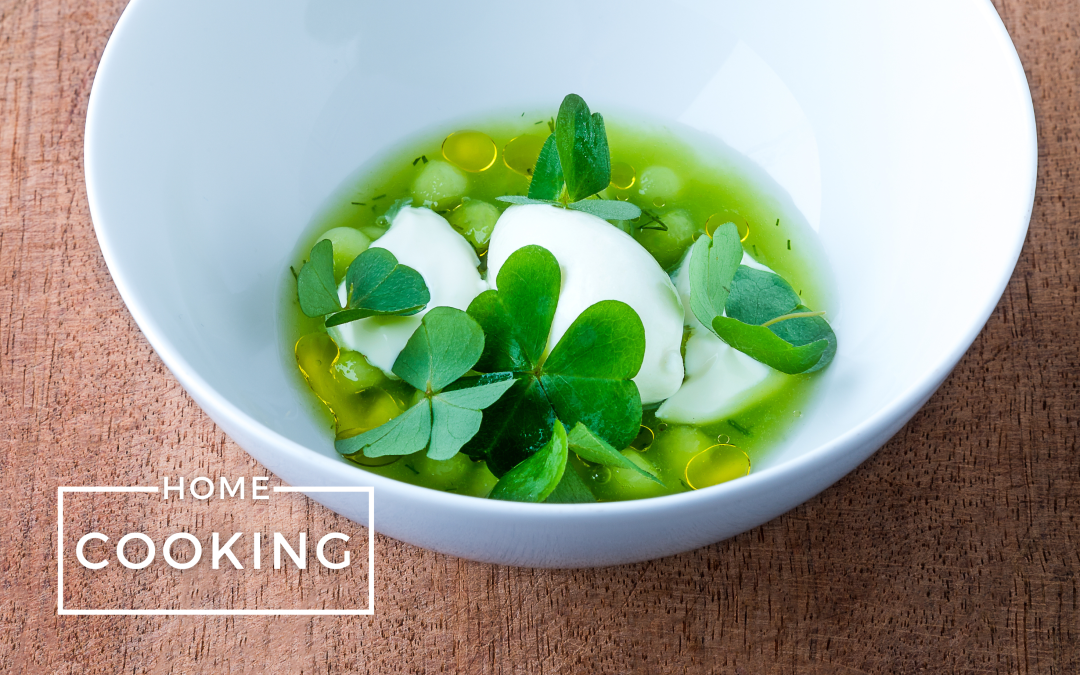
[716, 464]
[521, 153]
[471, 151]
[623, 175]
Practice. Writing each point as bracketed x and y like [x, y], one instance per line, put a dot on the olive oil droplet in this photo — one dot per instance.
[623, 176]
[521, 153]
[644, 439]
[716, 464]
[719, 218]
[471, 151]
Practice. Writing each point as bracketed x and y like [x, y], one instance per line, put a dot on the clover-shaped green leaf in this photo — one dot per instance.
[764, 316]
[583, 148]
[315, 285]
[444, 347]
[575, 155]
[586, 378]
[376, 285]
[713, 264]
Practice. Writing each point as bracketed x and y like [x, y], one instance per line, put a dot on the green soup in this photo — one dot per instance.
[685, 185]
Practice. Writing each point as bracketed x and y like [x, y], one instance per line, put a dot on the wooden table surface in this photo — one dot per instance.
[953, 549]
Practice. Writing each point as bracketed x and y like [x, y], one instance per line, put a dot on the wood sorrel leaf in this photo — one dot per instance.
[759, 297]
[592, 448]
[587, 376]
[713, 264]
[608, 209]
[405, 434]
[445, 346]
[535, 478]
[379, 284]
[571, 489]
[315, 285]
[583, 148]
[547, 179]
[516, 318]
[762, 344]
[442, 348]
[456, 416]
[806, 330]
[515, 426]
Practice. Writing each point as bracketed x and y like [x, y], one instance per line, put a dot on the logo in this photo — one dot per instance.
[191, 546]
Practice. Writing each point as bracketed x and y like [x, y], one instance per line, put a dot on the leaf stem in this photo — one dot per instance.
[795, 315]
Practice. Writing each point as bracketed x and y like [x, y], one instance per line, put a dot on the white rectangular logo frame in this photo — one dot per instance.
[62, 611]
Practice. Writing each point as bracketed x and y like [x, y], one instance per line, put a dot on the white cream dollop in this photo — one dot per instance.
[720, 380]
[426, 242]
[601, 262]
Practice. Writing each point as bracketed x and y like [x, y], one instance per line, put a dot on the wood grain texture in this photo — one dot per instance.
[956, 548]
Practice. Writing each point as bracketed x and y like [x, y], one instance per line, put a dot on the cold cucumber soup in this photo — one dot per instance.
[547, 309]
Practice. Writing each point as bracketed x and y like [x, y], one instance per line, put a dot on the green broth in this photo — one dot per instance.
[711, 179]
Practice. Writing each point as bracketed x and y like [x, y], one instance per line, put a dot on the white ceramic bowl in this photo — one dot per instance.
[903, 131]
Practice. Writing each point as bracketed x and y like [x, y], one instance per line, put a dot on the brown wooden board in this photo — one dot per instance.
[956, 548]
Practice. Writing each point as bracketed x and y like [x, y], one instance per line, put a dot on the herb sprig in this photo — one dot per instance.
[376, 284]
[756, 312]
[587, 377]
[574, 165]
[444, 347]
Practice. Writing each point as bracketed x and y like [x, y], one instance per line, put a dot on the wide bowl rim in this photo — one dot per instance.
[227, 414]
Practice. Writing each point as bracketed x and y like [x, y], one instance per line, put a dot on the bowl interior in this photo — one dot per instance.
[217, 130]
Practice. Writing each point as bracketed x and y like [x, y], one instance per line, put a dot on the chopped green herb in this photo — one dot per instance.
[656, 223]
[740, 428]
